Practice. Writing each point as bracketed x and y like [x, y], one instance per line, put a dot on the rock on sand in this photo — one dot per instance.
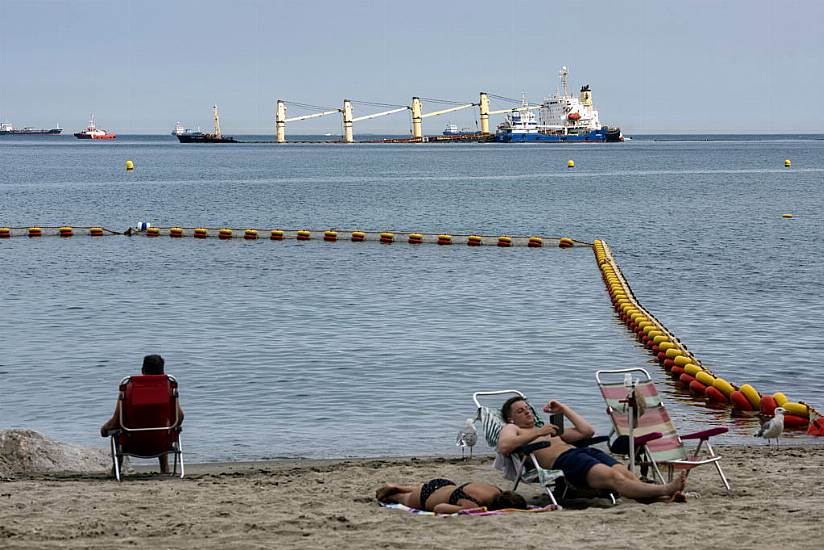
[27, 452]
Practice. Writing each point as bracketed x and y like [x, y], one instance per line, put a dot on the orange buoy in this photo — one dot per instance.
[276, 235]
[66, 231]
[175, 232]
[535, 242]
[96, 231]
[5, 232]
[304, 235]
[794, 421]
[739, 401]
[250, 234]
[201, 233]
[685, 380]
[565, 242]
[154, 232]
[698, 388]
[387, 238]
[676, 371]
[358, 236]
[415, 238]
[504, 241]
[444, 239]
[768, 405]
[330, 236]
[474, 240]
[225, 233]
[715, 395]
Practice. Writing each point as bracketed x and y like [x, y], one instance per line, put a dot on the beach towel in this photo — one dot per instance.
[482, 511]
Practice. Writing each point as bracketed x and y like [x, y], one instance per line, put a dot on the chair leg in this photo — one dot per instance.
[718, 467]
[115, 459]
[179, 455]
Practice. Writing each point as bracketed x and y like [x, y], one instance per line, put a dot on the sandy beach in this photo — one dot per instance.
[777, 497]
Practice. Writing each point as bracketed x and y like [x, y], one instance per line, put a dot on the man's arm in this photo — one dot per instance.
[513, 437]
[581, 428]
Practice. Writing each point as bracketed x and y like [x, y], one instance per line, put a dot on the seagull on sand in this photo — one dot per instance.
[467, 437]
[771, 429]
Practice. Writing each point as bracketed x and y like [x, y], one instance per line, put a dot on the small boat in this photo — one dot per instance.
[451, 130]
[188, 136]
[91, 132]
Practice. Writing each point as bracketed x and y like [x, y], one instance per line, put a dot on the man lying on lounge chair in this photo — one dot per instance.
[583, 467]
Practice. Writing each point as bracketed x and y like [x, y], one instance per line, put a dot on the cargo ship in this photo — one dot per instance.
[187, 136]
[91, 132]
[561, 118]
[7, 129]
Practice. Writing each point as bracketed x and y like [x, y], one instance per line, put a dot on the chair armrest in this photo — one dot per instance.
[647, 438]
[532, 447]
[588, 442]
[706, 434]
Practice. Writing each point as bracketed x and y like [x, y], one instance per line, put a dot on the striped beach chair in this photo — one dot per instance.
[642, 427]
[521, 465]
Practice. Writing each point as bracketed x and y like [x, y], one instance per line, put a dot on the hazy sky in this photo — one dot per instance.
[655, 66]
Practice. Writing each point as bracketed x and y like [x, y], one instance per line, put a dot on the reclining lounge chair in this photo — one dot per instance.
[642, 427]
[522, 465]
[149, 420]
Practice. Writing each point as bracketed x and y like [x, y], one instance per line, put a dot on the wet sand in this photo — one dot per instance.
[777, 502]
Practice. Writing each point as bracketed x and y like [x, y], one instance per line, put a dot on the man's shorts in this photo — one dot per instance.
[576, 463]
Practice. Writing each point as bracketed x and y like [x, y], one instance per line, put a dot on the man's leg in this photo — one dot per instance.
[613, 478]
[164, 463]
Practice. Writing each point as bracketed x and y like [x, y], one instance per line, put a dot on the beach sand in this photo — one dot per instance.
[777, 502]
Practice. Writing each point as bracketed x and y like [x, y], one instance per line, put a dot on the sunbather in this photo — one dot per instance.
[152, 364]
[445, 497]
[583, 467]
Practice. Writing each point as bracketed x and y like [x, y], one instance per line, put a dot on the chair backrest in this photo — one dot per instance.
[148, 414]
[490, 418]
[653, 415]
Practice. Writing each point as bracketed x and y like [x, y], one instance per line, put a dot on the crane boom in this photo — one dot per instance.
[451, 109]
[316, 115]
[375, 115]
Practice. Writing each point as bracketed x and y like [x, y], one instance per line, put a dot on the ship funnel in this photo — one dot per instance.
[586, 96]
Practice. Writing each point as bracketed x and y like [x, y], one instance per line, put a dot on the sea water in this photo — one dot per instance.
[313, 349]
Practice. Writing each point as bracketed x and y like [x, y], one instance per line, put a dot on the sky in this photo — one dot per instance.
[655, 66]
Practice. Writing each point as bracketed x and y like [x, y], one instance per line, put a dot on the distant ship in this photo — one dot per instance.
[179, 129]
[6, 128]
[187, 136]
[91, 132]
[453, 130]
[561, 118]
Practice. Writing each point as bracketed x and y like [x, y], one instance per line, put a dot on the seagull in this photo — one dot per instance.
[771, 429]
[467, 437]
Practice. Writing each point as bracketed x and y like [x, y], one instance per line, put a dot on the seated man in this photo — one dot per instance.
[584, 467]
[152, 364]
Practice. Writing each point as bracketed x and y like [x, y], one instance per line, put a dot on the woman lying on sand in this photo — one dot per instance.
[443, 496]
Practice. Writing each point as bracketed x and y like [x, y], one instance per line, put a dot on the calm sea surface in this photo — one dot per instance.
[287, 349]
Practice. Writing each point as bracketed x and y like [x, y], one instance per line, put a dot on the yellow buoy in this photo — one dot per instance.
[330, 235]
[276, 235]
[304, 235]
[155, 231]
[96, 231]
[535, 242]
[787, 163]
[358, 236]
[570, 163]
[35, 231]
[444, 239]
[225, 233]
[250, 234]
[504, 240]
[780, 398]
[201, 233]
[129, 165]
[566, 242]
[66, 231]
[387, 238]
[5, 232]
[787, 216]
[415, 238]
[174, 232]
[474, 240]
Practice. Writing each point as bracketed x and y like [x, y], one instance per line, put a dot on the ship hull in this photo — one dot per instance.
[205, 138]
[81, 135]
[592, 136]
[51, 132]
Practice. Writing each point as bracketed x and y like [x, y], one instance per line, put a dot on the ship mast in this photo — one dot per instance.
[217, 122]
[564, 88]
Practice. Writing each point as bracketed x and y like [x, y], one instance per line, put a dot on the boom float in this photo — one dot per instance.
[687, 369]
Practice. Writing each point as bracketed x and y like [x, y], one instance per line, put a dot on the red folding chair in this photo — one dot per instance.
[149, 420]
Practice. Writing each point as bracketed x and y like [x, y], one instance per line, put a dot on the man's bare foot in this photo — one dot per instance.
[677, 485]
[383, 493]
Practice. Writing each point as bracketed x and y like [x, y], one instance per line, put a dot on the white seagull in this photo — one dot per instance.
[467, 437]
[771, 429]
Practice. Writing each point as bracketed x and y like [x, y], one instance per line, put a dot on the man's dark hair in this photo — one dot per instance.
[508, 499]
[508, 405]
[153, 364]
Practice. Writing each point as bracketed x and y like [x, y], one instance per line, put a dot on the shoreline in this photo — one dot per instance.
[315, 503]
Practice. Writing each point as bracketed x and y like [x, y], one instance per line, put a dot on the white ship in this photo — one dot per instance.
[562, 117]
